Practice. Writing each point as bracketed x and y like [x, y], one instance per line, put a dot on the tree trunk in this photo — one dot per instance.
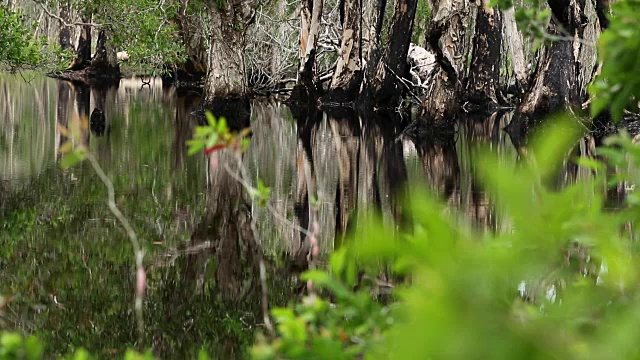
[83, 50]
[345, 84]
[310, 18]
[555, 85]
[385, 87]
[105, 57]
[64, 34]
[516, 49]
[446, 40]
[372, 31]
[190, 29]
[484, 73]
[226, 75]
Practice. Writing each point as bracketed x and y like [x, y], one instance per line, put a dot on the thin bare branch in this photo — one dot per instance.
[62, 21]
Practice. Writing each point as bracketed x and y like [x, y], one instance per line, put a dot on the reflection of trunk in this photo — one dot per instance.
[98, 120]
[440, 162]
[184, 123]
[62, 107]
[386, 87]
[345, 130]
[348, 75]
[225, 233]
[310, 17]
[392, 169]
[305, 187]
[83, 50]
[556, 85]
[226, 76]
[477, 129]
[83, 99]
[484, 73]
[446, 40]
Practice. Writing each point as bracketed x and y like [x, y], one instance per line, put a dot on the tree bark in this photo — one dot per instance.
[64, 33]
[105, 56]
[484, 73]
[446, 40]
[345, 84]
[385, 87]
[555, 85]
[83, 50]
[513, 40]
[190, 29]
[372, 31]
[310, 18]
[226, 74]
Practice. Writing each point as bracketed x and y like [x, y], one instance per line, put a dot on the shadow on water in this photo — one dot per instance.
[68, 266]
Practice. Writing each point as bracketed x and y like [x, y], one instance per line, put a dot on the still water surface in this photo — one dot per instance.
[66, 266]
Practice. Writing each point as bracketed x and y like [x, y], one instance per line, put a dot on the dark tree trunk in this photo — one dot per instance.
[371, 34]
[105, 56]
[83, 50]
[602, 10]
[226, 74]
[484, 73]
[556, 84]
[345, 84]
[385, 86]
[190, 29]
[64, 35]
[446, 40]
[310, 17]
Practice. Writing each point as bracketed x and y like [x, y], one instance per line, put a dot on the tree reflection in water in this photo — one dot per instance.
[59, 240]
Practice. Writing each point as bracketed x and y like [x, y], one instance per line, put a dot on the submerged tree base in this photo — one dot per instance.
[94, 76]
[183, 80]
[236, 111]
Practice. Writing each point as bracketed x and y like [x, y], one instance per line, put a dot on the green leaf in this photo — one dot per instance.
[73, 158]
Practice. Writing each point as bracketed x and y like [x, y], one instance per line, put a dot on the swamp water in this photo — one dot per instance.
[67, 266]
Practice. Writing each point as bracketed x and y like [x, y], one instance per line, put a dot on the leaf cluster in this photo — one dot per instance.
[18, 47]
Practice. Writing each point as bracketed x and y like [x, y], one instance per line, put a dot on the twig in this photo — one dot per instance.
[139, 253]
[62, 21]
[270, 207]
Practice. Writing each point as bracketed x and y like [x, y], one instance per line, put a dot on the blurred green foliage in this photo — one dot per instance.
[562, 281]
